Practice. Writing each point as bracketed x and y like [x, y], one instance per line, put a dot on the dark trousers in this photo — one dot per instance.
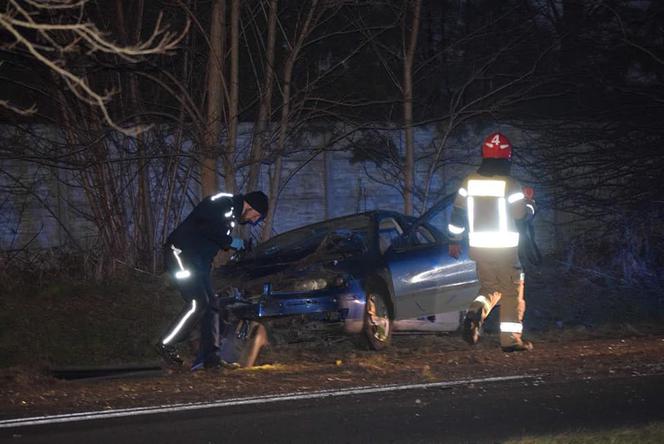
[200, 302]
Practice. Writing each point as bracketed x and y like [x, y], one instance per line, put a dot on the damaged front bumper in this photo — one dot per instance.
[345, 304]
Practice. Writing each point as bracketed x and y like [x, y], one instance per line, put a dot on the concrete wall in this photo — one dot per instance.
[41, 203]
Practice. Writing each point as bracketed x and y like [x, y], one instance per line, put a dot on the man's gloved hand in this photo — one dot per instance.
[454, 249]
[237, 244]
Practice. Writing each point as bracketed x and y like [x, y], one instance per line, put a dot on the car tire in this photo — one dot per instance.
[242, 342]
[377, 328]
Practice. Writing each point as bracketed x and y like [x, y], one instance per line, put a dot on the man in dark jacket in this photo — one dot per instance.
[188, 255]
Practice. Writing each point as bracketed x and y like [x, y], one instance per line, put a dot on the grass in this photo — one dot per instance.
[55, 321]
[652, 433]
[73, 323]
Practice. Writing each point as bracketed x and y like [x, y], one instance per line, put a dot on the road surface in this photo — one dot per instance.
[477, 411]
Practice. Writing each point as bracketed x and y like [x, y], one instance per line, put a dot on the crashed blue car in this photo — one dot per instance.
[368, 272]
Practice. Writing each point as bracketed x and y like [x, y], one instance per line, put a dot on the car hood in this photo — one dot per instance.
[287, 272]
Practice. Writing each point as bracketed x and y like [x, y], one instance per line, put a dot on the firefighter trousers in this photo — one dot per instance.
[501, 281]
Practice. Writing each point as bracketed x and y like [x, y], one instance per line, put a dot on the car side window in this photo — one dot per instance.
[423, 236]
[388, 231]
[440, 220]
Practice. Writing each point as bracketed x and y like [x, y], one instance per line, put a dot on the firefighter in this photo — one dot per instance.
[188, 255]
[489, 208]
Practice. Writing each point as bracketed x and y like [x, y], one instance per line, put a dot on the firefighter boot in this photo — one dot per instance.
[471, 327]
[522, 346]
[169, 354]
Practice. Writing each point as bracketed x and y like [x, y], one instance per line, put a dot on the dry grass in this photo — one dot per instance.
[648, 434]
[58, 321]
[67, 322]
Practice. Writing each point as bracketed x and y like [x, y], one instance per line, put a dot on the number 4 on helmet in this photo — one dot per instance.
[496, 146]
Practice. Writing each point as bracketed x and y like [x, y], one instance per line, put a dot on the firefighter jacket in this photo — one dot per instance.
[208, 228]
[487, 210]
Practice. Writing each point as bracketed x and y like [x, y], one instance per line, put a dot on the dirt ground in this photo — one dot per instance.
[327, 364]
[583, 326]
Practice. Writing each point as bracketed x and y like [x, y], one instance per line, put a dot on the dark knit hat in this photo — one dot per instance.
[258, 201]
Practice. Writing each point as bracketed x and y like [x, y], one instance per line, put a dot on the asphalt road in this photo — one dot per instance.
[478, 412]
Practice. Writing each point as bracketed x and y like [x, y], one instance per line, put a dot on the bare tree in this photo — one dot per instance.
[260, 135]
[465, 73]
[303, 30]
[410, 44]
[144, 226]
[234, 99]
[215, 86]
[50, 31]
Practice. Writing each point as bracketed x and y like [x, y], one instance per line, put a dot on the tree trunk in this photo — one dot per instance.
[275, 180]
[327, 183]
[229, 153]
[265, 108]
[409, 54]
[215, 80]
[143, 237]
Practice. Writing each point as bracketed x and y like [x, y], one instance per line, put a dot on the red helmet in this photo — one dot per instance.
[496, 146]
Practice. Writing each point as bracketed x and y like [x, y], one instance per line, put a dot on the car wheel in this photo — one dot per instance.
[242, 342]
[377, 328]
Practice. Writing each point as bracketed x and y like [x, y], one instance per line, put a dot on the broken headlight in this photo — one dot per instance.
[311, 285]
[320, 283]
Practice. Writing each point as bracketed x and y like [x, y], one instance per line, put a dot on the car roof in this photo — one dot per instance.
[447, 200]
[373, 214]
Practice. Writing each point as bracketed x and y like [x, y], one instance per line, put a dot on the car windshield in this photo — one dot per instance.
[348, 233]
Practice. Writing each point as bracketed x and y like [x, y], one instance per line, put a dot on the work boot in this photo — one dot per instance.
[471, 327]
[169, 354]
[523, 346]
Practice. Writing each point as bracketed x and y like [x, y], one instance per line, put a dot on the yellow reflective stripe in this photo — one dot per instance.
[511, 327]
[502, 214]
[515, 197]
[178, 327]
[493, 239]
[455, 230]
[487, 188]
[471, 214]
[502, 238]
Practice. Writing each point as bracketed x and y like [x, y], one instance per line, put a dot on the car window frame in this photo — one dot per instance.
[399, 225]
[442, 237]
[428, 230]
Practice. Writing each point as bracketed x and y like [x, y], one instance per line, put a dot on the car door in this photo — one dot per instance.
[425, 279]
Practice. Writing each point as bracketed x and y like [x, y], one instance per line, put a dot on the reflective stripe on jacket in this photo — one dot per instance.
[488, 207]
